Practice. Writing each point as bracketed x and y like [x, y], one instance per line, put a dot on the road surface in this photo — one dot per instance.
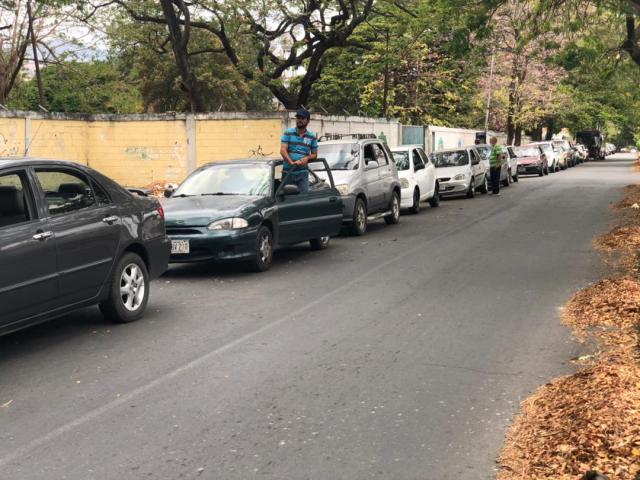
[402, 354]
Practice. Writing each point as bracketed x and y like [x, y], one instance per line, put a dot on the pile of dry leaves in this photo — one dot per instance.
[158, 187]
[589, 420]
[631, 198]
[624, 237]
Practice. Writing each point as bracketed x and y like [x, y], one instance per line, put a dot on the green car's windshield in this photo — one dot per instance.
[451, 159]
[340, 156]
[402, 160]
[239, 179]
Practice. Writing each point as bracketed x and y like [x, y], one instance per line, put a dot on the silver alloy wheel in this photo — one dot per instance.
[324, 241]
[395, 207]
[265, 248]
[132, 287]
[361, 217]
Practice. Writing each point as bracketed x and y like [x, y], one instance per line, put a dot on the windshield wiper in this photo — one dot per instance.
[218, 194]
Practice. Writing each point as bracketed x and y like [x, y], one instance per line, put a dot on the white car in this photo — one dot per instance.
[553, 159]
[417, 177]
[460, 171]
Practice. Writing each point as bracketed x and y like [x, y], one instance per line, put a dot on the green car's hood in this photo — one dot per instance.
[201, 211]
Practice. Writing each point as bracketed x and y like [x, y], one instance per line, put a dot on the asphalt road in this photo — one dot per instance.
[399, 355]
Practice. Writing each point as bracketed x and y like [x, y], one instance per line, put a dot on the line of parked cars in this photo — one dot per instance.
[72, 237]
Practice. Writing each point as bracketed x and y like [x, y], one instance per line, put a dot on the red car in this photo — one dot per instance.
[531, 160]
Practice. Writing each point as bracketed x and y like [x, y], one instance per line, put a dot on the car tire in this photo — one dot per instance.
[321, 243]
[471, 191]
[263, 258]
[485, 186]
[359, 221]
[129, 290]
[435, 200]
[394, 216]
[507, 181]
[415, 208]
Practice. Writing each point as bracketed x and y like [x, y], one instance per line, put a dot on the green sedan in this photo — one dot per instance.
[242, 210]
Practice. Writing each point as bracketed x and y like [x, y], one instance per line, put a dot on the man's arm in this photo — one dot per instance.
[312, 156]
[309, 158]
[284, 152]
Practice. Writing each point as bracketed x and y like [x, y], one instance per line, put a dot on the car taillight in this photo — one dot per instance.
[161, 212]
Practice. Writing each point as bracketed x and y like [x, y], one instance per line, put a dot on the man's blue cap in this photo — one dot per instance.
[303, 112]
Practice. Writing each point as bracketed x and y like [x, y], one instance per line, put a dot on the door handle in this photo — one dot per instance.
[333, 199]
[110, 220]
[42, 236]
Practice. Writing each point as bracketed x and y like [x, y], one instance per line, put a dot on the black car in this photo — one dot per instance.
[241, 210]
[69, 238]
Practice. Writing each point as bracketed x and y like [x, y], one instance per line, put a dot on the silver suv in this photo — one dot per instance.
[366, 177]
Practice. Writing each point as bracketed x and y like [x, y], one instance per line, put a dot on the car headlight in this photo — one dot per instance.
[343, 189]
[404, 183]
[233, 223]
[460, 176]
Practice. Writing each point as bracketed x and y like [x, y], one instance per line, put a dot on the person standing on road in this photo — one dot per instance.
[496, 157]
[298, 146]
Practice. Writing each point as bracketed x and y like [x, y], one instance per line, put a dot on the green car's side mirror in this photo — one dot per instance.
[290, 190]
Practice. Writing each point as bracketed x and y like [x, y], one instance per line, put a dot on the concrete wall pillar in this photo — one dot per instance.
[28, 140]
[190, 125]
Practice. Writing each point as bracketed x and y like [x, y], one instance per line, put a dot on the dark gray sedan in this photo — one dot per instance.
[69, 238]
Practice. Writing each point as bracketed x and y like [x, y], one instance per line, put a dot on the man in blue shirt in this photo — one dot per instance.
[298, 146]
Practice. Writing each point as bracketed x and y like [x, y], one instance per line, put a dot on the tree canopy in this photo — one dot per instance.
[544, 64]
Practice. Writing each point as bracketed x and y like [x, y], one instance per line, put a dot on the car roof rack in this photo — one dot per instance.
[340, 136]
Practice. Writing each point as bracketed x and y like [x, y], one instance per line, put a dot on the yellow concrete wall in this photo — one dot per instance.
[218, 140]
[12, 137]
[140, 152]
[59, 140]
[137, 153]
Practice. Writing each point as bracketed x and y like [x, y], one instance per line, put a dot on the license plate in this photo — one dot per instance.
[179, 247]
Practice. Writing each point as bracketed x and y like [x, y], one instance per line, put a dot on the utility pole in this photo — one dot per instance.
[486, 115]
[35, 54]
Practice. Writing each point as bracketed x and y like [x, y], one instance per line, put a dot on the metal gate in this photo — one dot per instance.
[412, 135]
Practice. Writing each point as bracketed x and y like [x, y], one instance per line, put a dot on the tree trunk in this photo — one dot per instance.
[630, 45]
[550, 123]
[511, 108]
[179, 44]
[35, 55]
[518, 136]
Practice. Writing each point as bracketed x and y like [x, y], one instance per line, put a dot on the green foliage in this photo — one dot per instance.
[85, 87]
[601, 87]
[427, 56]
[143, 51]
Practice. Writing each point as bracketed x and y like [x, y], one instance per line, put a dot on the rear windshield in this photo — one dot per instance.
[458, 158]
[340, 156]
[484, 152]
[527, 151]
[402, 160]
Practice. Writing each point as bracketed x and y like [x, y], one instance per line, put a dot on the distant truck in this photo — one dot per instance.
[594, 142]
